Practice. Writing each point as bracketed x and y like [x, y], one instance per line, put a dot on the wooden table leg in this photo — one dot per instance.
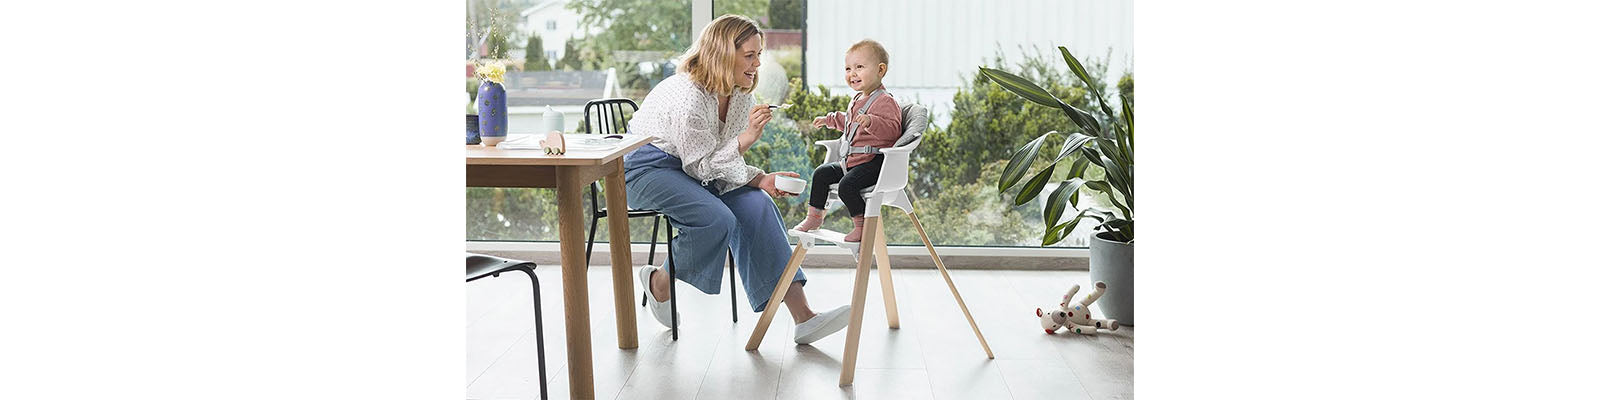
[621, 259]
[777, 297]
[858, 303]
[575, 283]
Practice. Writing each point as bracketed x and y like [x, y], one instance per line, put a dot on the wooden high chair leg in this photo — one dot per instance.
[777, 297]
[939, 263]
[889, 307]
[858, 302]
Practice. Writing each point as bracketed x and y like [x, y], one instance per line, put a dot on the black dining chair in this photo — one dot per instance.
[604, 117]
[480, 266]
[672, 290]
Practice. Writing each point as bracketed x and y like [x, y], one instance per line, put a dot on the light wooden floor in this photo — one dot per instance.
[932, 355]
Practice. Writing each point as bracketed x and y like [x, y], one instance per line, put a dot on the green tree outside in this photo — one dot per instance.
[534, 59]
[635, 24]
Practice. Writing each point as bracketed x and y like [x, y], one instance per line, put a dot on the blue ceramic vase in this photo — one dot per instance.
[491, 112]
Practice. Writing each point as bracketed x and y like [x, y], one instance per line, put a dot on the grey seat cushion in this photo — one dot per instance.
[913, 122]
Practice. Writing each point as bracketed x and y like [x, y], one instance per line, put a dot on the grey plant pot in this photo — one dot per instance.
[1112, 262]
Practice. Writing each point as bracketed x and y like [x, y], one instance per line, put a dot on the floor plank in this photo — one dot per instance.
[1042, 379]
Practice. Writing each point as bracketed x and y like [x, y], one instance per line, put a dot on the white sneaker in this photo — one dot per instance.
[660, 309]
[822, 325]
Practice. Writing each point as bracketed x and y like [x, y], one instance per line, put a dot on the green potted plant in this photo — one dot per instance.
[1106, 143]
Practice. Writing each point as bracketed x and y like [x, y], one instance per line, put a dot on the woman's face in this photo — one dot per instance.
[747, 60]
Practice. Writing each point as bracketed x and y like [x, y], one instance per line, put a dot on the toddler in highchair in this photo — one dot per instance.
[871, 124]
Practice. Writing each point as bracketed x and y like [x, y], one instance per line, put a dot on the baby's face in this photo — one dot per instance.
[863, 70]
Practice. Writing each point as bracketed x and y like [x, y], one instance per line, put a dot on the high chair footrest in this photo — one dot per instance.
[825, 235]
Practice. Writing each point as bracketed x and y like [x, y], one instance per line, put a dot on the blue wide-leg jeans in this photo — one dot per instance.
[744, 219]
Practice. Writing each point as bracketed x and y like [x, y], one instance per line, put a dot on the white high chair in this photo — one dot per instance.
[890, 191]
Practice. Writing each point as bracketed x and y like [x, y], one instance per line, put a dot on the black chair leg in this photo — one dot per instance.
[672, 276]
[672, 285]
[538, 332]
[655, 230]
[672, 291]
[589, 250]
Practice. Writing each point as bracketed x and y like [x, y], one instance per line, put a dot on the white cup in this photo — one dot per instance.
[790, 184]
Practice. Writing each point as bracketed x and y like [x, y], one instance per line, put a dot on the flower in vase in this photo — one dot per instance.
[493, 72]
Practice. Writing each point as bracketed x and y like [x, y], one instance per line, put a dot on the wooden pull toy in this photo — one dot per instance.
[554, 143]
[1075, 316]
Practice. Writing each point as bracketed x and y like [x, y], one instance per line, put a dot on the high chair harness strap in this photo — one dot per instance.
[850, 130]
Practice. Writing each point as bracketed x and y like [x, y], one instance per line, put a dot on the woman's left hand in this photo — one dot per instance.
[769, 184]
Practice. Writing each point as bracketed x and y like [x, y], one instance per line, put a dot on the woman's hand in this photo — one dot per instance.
[769, 183]
[759, 116]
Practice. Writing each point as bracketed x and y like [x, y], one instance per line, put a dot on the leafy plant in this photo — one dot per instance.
[806, 106]
[1106, 142]
[984, 119]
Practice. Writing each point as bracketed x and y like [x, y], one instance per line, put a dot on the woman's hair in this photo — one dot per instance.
[711, 60]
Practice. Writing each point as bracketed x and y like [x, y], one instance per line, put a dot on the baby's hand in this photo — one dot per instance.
[817, 123]
[863, 120]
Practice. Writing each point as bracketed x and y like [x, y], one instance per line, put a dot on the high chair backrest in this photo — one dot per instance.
[897, 161]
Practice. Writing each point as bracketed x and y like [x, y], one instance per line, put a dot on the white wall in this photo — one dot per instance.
[566, 26]
[933, 44]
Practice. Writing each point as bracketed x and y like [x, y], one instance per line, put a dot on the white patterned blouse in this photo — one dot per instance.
[683, 118]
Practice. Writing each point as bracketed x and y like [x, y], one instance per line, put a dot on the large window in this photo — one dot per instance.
[561, 54]
[935, 49]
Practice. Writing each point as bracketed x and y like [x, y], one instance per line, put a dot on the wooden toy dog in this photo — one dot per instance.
[1075, 316]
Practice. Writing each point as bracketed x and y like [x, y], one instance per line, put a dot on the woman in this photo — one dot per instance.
[705, 118]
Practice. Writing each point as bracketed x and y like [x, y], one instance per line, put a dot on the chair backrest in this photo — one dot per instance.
[913, 123]
[897, 164]
[604, 116]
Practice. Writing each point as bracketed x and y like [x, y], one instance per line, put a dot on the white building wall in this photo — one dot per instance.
[536, 19]
[935, 45]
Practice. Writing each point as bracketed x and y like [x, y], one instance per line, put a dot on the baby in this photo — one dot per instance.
[872, 123]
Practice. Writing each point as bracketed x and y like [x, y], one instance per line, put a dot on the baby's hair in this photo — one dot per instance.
[874, 47]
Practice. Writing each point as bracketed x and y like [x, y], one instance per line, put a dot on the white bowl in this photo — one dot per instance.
[791, 184]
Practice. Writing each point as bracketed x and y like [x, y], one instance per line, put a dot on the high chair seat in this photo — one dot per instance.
[832, 196]
[914, 122]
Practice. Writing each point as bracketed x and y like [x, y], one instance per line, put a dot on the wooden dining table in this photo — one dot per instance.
[569, 173]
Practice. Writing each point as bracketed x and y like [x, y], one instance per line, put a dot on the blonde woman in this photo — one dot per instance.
[695, 173]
